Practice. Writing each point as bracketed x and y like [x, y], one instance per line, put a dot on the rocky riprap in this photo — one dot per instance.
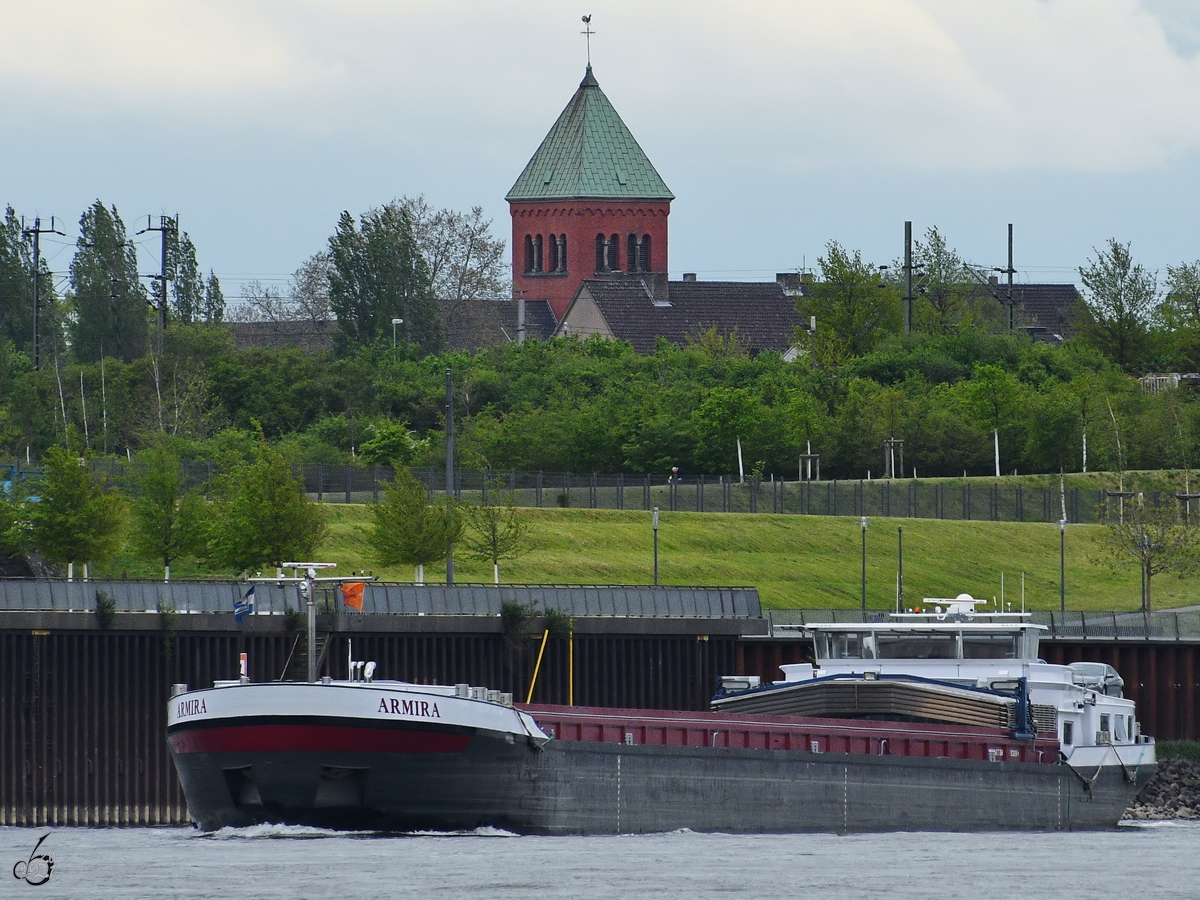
[1174, 793]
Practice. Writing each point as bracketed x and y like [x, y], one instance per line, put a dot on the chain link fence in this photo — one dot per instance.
[1167, 625]
[968, 499]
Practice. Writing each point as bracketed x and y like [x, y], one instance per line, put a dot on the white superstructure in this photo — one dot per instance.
[952, 642]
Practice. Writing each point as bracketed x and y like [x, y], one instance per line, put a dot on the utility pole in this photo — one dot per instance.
[166, 227]
[908, 273]
[450, 461]
[1010, 271]
[1010, 275]
[37, 231]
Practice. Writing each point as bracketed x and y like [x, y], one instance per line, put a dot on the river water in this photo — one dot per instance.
[1138, 862]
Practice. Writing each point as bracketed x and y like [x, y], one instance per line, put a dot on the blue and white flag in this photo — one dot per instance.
[241, 608]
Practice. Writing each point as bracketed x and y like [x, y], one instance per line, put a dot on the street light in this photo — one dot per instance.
[1062, 566]
[863, 523]
[395, 322]
[655, 521]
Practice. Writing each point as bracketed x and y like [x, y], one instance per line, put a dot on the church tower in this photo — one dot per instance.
[589, 205]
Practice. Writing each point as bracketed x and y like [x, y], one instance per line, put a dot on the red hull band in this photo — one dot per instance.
[309, 738]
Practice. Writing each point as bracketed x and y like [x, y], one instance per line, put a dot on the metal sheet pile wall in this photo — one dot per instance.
[82, 715]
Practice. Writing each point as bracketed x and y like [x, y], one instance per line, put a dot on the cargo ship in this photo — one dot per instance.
[946, 721]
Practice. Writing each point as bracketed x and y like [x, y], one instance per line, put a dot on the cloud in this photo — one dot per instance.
[769, 85]
[124, 56]
[991, 85]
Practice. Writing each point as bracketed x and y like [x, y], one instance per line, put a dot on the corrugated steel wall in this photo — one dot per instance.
[83, 715]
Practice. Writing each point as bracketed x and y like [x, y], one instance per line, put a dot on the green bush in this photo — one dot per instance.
[558, 623]
[1189, 750]
[106, 609]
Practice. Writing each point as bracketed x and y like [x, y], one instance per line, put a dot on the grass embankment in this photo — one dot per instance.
[794, 561]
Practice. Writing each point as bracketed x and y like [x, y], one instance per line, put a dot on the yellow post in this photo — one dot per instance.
[537, 666]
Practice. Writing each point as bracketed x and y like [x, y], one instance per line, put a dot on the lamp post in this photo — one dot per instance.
[1062, 566]
[900, 569]
[655, 521]
[863, 523]
[395, 322]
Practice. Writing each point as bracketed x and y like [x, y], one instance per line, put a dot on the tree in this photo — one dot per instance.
[853, 310]
[408, 530]
[111, 305]
[166, 520]
[310, 288]
[1119, 297]
[77, 518]
[392, 444]
[942, 294]
[307, 298]
[261, 514]
[495, 530]
[15, 526]
[1055, 429]
[214, 300]
[1157, 539]
[187, 284]
[1179, 313]
[465, 261]
[262, 303]
[993, 396]
[16, 284]
[378, 274]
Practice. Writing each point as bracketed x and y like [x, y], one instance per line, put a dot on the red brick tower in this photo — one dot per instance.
[589, 204]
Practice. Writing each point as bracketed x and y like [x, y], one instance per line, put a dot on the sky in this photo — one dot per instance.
[778, 124]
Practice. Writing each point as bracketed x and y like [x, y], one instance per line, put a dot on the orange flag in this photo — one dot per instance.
[352, 594]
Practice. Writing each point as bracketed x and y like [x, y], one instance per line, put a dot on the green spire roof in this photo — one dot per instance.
[589, 153]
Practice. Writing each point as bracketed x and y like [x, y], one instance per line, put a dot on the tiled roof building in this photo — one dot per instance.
[1042, 310]
[473, 324]
[641, 310]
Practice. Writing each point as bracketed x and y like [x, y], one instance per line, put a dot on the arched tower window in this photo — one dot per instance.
[528, 253]
[631, 253]
[562, 253]
[553, 253]
[614, 250]
[537, 253]
[601, 253]
[644, 254]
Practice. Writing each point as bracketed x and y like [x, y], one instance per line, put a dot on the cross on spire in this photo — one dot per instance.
[587, 31]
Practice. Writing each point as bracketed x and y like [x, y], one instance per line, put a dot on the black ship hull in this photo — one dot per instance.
[468, 781]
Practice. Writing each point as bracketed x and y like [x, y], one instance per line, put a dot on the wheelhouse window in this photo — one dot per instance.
[991, 646]
[839, 645]
[1068, 733]
[901, 645]
[1119, 734]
